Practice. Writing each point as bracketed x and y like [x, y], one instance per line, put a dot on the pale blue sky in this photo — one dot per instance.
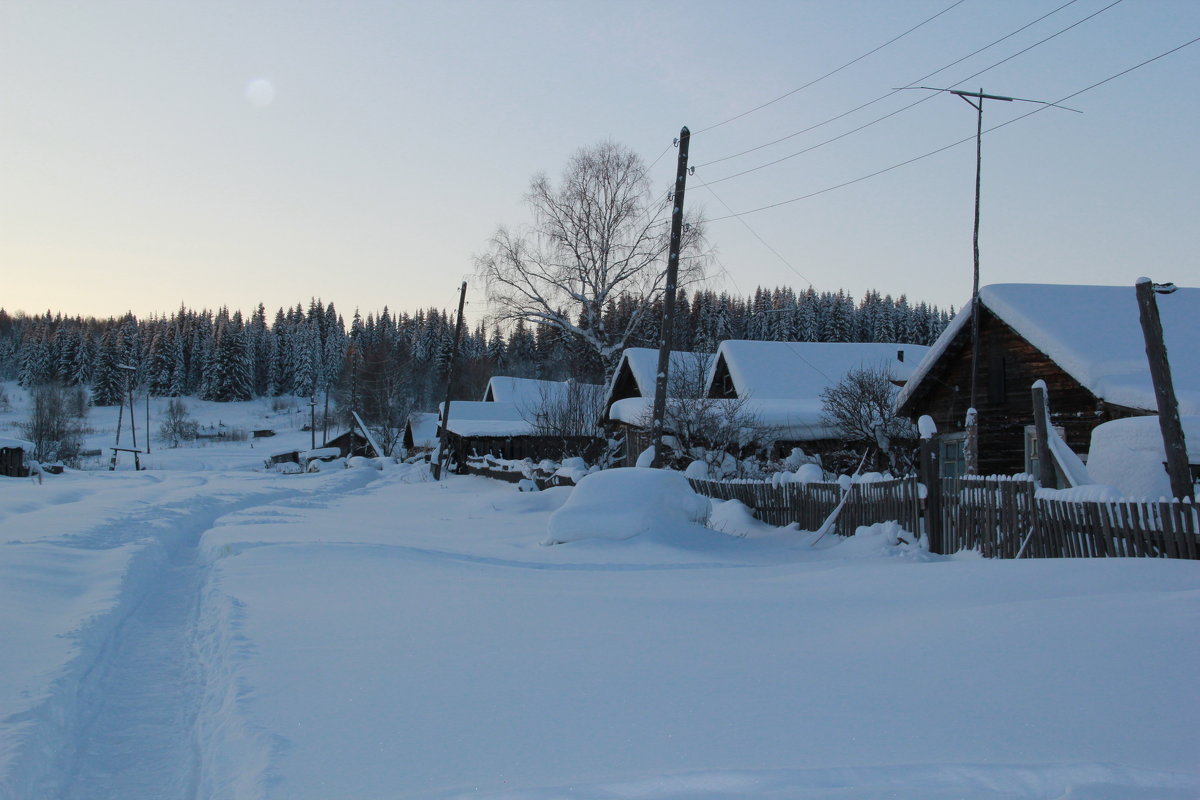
[231, 152]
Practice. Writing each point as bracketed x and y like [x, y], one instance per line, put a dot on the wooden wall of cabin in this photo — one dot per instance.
[1008, 367]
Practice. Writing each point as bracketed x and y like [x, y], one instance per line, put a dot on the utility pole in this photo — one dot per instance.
[1164, 388]
[668, 322]
[444, 438]
[971, 451]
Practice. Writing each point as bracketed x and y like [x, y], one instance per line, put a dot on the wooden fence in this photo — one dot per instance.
[1000, 517]
[808, 504]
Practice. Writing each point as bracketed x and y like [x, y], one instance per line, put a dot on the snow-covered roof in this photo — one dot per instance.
[478, 418]
[424, 427]
[14, 444]
[796, 371]
[1094, 334]
[523, 391]
[530, 395]
[790, 420]
[643, 366]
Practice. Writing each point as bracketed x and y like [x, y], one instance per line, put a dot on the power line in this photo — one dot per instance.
[942, 149]
[832, 72]
[754, 233]
[889, 94]
[902, 109]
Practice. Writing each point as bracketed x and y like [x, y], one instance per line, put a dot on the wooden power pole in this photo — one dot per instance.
[1164, 388]
[444, 438]
[668, 321]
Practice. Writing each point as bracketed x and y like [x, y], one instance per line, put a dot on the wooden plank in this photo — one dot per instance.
[1168, 530]
[1186, 522]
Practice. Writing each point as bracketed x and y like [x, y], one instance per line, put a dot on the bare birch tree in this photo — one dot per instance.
[599, 235]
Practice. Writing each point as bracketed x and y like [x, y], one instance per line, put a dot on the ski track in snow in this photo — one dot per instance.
[122, 723]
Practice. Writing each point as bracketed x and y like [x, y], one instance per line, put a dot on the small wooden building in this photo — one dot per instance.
[630, 400]
[781, 383]
[504, 431]
[14, 457]
[1085, 342]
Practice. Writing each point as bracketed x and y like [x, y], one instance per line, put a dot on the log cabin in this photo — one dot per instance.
[1085, 342]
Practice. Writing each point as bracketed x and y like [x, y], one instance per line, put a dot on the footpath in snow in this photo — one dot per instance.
[369, 634]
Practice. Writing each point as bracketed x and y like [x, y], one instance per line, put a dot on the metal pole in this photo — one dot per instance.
[445, 433]
[1164, 389]
[664, 342]
[147, 420]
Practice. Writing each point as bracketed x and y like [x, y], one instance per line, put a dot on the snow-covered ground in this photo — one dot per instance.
[205, 630]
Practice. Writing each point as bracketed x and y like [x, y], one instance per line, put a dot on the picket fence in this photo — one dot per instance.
[1001, 517]
[808, 504]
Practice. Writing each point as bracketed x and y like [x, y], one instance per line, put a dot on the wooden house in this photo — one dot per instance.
[780, 383]
[420, 432]
[14, 456]
[630, 399]
[506, 431]
[1085, 342]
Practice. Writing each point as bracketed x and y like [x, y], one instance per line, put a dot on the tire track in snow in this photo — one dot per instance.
[122, 722]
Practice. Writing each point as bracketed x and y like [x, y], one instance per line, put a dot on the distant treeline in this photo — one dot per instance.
[397, 358]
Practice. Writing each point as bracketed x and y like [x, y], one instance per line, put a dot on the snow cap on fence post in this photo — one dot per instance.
[926, 426]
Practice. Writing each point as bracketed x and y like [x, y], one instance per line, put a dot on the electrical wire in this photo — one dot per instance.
[832, 72]
[881, 97]
[942, 149]
[902, 109]
[755, 234]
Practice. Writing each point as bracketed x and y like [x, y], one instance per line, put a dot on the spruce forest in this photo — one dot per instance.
[402, 358]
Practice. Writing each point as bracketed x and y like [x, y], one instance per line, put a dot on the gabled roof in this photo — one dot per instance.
[639, 366]
[1093, 334]
[423, 425]
[503, 389]
[530, 394]
[800, 371]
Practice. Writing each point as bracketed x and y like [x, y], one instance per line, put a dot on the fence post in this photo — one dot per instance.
[1041, 426]
[931, 477]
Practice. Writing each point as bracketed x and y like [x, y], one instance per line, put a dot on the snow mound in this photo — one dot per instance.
[737, 519]
[1129, 454]
[622, 503]
[887, 539]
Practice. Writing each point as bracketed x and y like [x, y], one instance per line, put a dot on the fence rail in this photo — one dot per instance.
[998, 516]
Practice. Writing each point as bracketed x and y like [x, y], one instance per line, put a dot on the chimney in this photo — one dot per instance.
[900, 355]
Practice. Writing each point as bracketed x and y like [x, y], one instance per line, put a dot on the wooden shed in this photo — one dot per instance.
[1085, 342]
[14, 457]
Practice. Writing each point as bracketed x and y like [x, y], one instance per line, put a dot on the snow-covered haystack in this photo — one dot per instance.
[623, 503]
